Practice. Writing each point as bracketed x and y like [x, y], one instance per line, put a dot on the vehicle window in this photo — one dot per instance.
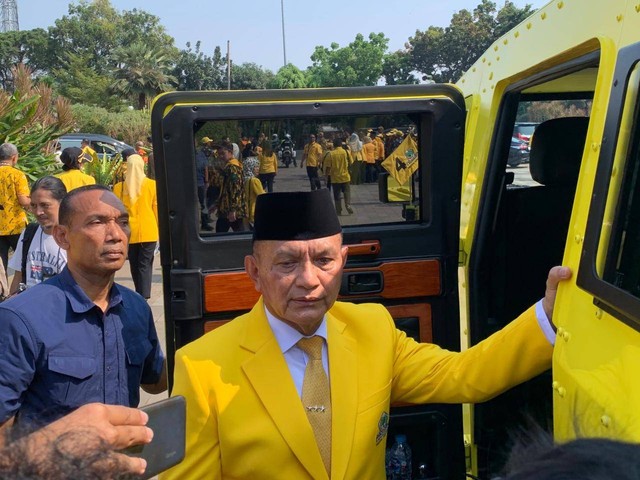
[103, 148]
[532, 113]
[382, 151]
[65, 143]
[622, 267]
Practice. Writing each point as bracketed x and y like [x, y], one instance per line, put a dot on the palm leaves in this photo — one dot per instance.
[142, 72]
[106, 170]
[31, 119]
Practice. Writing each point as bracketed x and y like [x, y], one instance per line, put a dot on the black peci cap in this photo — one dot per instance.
[295, 216]
[71, 156]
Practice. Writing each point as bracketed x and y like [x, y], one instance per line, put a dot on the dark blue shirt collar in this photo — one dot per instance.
[78, 300]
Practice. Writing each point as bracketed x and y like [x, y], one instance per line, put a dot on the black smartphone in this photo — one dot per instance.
[167, 419]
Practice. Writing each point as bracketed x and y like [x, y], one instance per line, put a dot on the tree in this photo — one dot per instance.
[28, 47]
[289, 76]
[94, 31]
[250, 76]
[80, 83]
[196, 71]
[358, 64]
[396, 69]
[446, 53]
[90, 29]
[141, 72]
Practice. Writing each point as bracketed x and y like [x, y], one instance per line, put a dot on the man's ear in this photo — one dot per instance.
[251, 267]
[60, 235]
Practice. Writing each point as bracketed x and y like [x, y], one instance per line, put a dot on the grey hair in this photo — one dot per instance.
[8, 150]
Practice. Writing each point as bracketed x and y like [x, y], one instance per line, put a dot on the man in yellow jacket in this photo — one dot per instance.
[336, 167]
[259, 401]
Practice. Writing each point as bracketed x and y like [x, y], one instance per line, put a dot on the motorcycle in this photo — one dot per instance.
[287, 155]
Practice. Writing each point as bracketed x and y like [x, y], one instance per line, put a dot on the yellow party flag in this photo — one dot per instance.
[403, 161]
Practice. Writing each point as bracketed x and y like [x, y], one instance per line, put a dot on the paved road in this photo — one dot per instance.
[364, 198]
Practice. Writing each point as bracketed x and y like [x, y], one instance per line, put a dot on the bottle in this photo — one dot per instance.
[399, 459]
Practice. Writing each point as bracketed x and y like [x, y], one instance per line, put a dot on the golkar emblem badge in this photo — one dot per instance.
[383, 427]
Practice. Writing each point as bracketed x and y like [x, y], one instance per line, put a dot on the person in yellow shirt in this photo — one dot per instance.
[138, 193]
[14, 198]
[90, 154]
[357, 167]
[369, 150]
[313, 155]
[379, 144]
[252, 187]
[72, 176]
[336, 166]
[268, 166]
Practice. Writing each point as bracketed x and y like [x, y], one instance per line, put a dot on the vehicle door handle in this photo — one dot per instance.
[366, 247]
[358, 283]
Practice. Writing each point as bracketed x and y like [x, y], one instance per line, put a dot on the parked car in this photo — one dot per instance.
[524, 130]
[518, 152]
[102, 144]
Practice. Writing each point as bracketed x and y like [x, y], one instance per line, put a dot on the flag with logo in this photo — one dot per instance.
[403, 161]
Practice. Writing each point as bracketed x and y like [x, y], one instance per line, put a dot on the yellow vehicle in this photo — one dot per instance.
[470, 245]
[575, 59]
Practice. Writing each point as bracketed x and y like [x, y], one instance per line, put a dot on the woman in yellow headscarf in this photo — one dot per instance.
[138, 193]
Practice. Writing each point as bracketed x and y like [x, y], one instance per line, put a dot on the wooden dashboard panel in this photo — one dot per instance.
[233, 291]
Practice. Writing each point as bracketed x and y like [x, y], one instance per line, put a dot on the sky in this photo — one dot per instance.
[254, 27]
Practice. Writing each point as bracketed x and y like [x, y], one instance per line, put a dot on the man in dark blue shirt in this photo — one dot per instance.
[78, 337]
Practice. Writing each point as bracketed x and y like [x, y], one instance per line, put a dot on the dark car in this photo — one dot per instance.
[518, 152]
[102, 144]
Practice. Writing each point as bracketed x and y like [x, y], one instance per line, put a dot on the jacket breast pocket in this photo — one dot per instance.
[69, 378]
[137, 351]
[72, 366]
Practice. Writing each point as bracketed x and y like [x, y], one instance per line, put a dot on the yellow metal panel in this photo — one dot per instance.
[597, 357]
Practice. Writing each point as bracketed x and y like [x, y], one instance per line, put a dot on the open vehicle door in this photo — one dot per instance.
[403, 254]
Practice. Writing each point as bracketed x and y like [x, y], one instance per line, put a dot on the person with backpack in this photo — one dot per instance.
[37, 256]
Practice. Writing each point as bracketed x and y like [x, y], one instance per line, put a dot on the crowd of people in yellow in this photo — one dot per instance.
[228, 185]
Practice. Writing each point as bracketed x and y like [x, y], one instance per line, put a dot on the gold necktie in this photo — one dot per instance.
[316, 397]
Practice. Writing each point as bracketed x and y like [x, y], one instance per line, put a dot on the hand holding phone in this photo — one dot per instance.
[167, 419]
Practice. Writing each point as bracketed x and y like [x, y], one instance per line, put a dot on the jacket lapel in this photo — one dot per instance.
[343, 369]
[269, 375]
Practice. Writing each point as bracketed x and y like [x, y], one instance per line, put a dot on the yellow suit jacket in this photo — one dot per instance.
[245, 419]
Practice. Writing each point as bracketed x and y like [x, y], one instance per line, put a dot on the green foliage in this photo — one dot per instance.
[142, 72]
[250, 76]
[396, 69]
[28, 47]
[197, 71]
[444, 54]
[540, 111]
[128, 126]
[80, 83]
[358, 64]
[221, 130]
[289, 76]
[31, 118]
[99, 44]
[105, 170]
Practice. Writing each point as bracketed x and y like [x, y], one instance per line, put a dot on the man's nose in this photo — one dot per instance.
[308, 277]
[114, 232]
